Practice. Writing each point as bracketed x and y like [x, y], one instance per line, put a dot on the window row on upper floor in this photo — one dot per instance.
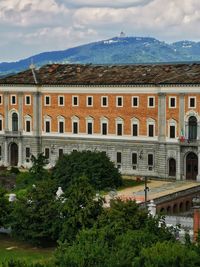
[104, 101]
[135, 101]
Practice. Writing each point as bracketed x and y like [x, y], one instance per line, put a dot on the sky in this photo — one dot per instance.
[29, 27]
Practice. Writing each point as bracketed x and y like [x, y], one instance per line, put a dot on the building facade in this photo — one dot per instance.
[146, 118]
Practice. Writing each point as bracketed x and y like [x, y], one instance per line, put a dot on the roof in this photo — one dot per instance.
[74, 74]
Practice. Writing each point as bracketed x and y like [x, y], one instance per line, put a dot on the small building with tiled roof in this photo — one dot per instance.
[145, 117]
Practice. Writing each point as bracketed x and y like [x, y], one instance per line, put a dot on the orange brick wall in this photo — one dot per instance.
[127, 112]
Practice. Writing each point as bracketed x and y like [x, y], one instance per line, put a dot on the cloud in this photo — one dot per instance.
[105, 3]
[32, 26]
[27, 12]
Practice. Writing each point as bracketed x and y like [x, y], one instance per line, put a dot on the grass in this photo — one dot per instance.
[12, 249]
[129, 183]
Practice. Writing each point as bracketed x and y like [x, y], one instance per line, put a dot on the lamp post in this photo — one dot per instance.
[146, 189]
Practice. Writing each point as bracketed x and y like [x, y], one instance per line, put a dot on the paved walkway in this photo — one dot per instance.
[156, 189]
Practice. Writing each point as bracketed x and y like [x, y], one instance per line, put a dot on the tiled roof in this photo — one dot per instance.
[66, 74]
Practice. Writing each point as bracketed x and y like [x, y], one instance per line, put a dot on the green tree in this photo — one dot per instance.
[115, 240]
[36, 216]
[81, 208]
[4, 208]
[167, 254]
[37, 170]
[95, 165]
[36, 173]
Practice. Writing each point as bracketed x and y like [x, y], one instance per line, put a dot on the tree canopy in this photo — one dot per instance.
[95, 165]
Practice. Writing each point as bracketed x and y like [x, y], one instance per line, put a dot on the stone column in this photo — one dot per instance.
[6, 109]
[162, 117]
[6, 153]
[20, 110]
[20, 153]
[182, 114]
[152, 208]
[178, 164]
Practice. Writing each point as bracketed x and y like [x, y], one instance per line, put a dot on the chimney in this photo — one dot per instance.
[78, 69]
[196, 217]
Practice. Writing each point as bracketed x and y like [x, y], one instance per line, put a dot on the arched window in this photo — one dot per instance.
[192, 128]
[172, 167]
[14, 122]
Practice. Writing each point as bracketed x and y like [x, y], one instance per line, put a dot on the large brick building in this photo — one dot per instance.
[145, 117]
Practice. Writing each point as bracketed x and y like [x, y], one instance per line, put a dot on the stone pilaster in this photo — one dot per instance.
[37, 119]
[182, 127]
[20, 153]
[162, 117]
[6, 109]
[20, 110]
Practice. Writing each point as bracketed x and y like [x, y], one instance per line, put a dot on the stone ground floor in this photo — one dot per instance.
[132, 157]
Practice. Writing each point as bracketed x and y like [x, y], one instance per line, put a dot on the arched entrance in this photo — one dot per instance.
[13, 154]
[172, 167]
[191, 166]
[192, 128]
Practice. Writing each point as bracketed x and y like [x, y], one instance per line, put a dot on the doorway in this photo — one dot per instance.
[172, 167]
[191, 166]
[13, 154]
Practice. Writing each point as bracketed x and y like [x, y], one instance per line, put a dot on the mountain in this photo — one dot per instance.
[118, 50]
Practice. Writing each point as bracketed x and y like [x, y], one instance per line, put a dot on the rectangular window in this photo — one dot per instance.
[28, 126]
[1, 125]
[89, 128]
[172, 102]
[104, 128]
[47, 126]
[119, 157]
[47, 152]
[119, 160]
[192, 102]
[134, 158]
[61, 126]
[150, 160]
[135, 101]
[134, 161]
[119, 128]
[172, 133]
[104, 101]
[74, 101]
[27, 100]
[61, 101]
[47, 101]
[119, 101]
[60, 153]
[89, 101]
[151, 102]
[151, 130]
[28, 154]
[1, 99]
[13, 100]
[75, 127]
[135, 130]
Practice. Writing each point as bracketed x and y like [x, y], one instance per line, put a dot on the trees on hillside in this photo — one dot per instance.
[95, 165]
